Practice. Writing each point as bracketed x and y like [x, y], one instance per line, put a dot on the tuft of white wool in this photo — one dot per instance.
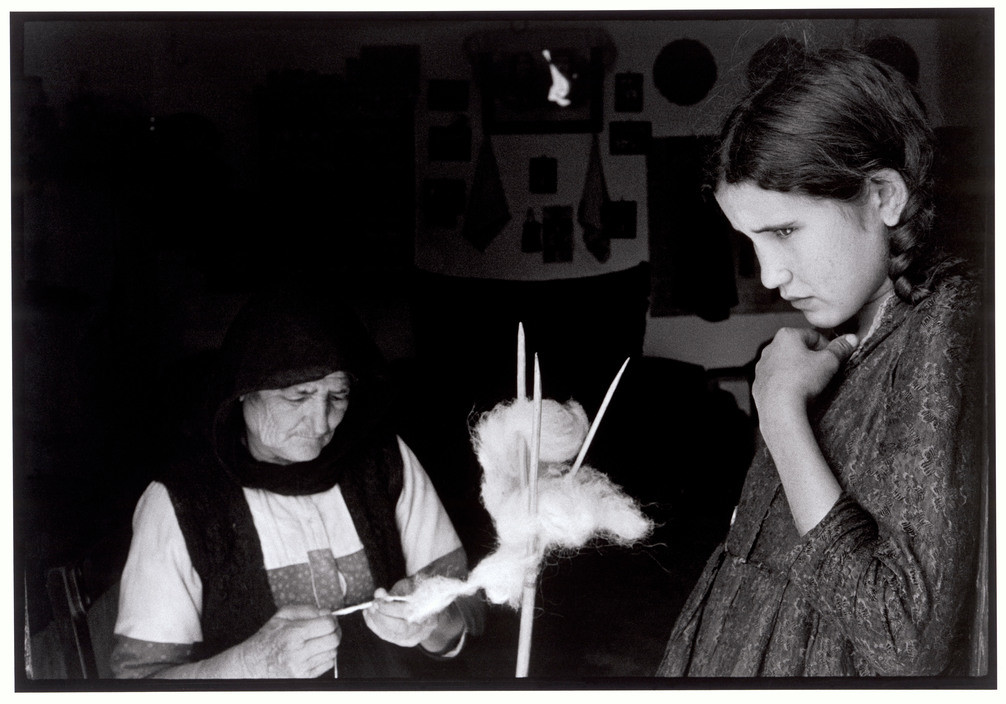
[563, 429]
[500, 575]
[572, 508]
[501, 437]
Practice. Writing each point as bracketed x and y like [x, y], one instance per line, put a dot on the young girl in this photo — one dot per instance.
[855, 547]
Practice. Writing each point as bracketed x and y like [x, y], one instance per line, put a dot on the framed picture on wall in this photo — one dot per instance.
[541, 91]
[628, 92]
[629, 136]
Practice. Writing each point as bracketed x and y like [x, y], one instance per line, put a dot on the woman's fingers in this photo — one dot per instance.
[402, 587]
[397, 629]
[316, 626]
[297, 612]
[388, 617]
[312, 637]
[320, 662]
[391, 609]
[328, 643]
[315, 655]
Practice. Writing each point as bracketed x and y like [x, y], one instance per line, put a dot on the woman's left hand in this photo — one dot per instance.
[388, 620]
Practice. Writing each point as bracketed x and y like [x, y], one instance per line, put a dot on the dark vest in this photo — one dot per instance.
[223, 545]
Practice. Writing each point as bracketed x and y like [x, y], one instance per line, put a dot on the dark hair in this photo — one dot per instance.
[820, 127]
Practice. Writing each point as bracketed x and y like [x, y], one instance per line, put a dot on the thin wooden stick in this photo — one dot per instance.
[522, 463]
[345, 610]
[521, 396]
[535, 441]
[521, 364]
[597, 419]
[530, 577]
[350, 609]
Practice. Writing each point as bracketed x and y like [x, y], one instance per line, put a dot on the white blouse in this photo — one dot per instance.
[311, 550]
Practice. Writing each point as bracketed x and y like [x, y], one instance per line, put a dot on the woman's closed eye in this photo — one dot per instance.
[332, 398]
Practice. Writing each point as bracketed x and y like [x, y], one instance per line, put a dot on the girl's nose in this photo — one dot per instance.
[774, 271]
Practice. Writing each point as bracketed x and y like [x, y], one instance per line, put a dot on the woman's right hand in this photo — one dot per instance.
[297, 642]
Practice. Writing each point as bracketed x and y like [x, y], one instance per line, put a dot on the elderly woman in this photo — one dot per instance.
[301, 501]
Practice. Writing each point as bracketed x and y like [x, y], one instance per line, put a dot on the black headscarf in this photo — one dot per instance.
[283, 337]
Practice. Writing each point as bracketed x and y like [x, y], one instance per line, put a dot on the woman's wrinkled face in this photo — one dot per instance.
[827, 258]
[294, 424]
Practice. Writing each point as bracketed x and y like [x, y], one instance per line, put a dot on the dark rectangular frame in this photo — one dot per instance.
[629, 136]
[588, 119]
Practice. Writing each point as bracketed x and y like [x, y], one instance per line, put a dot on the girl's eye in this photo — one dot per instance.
[784, 232]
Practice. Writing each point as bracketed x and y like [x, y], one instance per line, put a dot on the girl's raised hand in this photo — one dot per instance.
[795, 367]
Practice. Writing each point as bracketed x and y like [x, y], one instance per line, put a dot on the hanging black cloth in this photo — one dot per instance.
[487, 213]
[593, 201]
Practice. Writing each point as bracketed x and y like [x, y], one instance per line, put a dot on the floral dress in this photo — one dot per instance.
[885, 584]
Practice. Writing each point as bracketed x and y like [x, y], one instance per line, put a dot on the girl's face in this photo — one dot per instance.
[294, 424]
[827, 258]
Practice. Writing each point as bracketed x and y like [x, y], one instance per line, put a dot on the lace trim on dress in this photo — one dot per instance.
[882, 314]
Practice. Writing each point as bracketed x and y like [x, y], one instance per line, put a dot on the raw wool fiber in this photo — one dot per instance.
[572, 508]
[501, 439]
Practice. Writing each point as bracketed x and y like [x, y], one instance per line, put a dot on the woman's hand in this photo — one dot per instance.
[795, 367]
[298, 641]
[388, 620]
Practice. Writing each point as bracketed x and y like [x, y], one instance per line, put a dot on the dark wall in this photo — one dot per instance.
[135, 242]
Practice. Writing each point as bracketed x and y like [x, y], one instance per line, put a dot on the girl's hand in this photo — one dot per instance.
[795, 367]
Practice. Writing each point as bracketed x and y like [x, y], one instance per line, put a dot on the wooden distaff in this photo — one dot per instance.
[531, 576]
[528, 472]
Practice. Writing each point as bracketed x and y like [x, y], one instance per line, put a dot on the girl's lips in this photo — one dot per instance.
[804, 305]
